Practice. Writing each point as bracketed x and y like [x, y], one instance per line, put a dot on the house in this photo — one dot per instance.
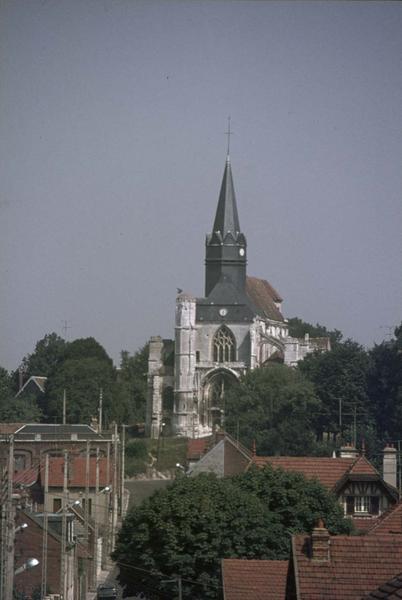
[35, 386]
[220, 454]
[29, 544]
[34, 440]
[320, 566]
[361, 490]
[254, 579]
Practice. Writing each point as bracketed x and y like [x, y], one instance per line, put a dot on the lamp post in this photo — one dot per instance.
[30, 564]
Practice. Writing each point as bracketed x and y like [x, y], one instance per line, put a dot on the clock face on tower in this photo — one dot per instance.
[241, 251]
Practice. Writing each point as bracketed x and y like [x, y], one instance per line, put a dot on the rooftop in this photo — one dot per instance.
[254, 579]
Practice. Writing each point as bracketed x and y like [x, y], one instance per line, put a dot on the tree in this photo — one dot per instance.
[15, 409]
[340, 379]
[187, 528]
[298, 328]
[84, 370]
[132, 385]
[275, 406]
[385, 386]
[48, 353]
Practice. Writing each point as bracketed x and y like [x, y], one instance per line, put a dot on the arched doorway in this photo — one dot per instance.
[215, 386]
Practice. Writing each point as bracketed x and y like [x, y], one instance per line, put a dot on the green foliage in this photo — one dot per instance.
[48, 354]
[132, 384]
[385, 387]
[18, 410]
[189, 527]
[340, 380]
[298, 502]
[298, 328]
[83, 348]
[82, 379]
[275, 406]
[136, 449]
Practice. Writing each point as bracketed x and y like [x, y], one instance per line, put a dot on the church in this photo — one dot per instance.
[237, 326]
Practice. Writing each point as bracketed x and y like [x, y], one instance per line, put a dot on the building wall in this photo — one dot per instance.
[28, 544]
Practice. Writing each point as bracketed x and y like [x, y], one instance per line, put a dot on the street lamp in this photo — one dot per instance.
[30, 564]
[21, 527]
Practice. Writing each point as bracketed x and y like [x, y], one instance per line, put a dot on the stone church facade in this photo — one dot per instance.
[237, 326]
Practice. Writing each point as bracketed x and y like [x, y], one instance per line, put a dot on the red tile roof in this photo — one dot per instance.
[264, 296]
[77, 472]
[8, 428]
[197, 447]
[362, 466]
[327, 470]
[254, 579]
[357, 565]
[389, 522]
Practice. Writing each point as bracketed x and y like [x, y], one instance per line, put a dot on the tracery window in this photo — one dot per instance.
[224, 346]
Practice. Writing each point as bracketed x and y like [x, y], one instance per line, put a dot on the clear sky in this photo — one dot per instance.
[112, 120]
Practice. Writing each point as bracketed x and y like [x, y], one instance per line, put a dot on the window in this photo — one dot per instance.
[197, 356]
[362, 505]
[56, 504]
[83, 502]
[224, 346]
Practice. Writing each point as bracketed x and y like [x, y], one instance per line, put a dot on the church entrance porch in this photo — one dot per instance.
[214, 389]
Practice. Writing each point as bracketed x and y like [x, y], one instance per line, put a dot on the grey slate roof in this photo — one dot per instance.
[57, 431]
[227, 218]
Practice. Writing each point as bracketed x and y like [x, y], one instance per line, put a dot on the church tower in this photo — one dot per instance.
[226, 246]
[237, 326]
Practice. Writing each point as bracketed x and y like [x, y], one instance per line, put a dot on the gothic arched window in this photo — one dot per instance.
[224, 345]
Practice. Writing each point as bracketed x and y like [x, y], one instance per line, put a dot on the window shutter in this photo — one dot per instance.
[350, 505]
[375, 505]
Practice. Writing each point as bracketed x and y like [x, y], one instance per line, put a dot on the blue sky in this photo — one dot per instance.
[112, 120]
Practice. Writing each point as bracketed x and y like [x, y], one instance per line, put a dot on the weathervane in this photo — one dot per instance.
[228, 133]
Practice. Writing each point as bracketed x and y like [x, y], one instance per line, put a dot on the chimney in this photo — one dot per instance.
[389, 465]
[348, 451]
[320, 542]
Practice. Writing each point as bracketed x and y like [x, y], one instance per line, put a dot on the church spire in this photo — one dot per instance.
[226, 246]
[227, 218]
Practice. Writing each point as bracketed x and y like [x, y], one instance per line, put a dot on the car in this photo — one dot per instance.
[106, 592]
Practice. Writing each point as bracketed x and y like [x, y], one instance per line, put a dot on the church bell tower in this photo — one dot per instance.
[226, 246]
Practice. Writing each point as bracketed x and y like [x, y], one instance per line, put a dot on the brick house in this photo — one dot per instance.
[33, 441]
[29, 544]
[362, 491]
[320, 566]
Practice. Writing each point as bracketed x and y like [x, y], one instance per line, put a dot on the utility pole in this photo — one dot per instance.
[96, 517]
[100, 409]
[107, 511]
[45, 531]
[86, 507]
[115, 486]
[9, 541]
[123, 466]
[64, 407]
[63, 565]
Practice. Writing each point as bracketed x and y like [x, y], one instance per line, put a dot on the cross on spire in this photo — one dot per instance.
[228, 133]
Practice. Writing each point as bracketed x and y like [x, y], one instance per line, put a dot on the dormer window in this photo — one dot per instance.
[362, 505]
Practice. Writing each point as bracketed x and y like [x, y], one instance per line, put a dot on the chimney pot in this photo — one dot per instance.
[389, 465]
[320, 543]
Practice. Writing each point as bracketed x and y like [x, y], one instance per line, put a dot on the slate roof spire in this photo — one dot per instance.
[225, 259]
[227, 218]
